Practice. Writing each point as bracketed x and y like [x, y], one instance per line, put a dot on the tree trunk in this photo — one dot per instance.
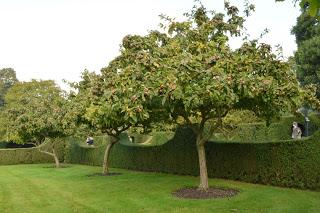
[56, 159]
[54, 155]
[204, 183]
[105, 169]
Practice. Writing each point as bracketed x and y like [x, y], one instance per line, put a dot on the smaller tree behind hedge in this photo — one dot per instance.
[34, 113]
[108, 105]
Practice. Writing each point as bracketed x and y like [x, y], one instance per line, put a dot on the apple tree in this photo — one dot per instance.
[189, 71]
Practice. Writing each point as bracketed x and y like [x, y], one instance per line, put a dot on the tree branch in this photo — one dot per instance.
[203, 121]
[124, 128]
[33, 143]
[218, 124]
[187, 119]
[49, 153]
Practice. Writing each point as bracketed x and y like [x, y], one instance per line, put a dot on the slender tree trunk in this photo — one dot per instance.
[204, 183]
[53, 154]
[56, 159]
[105, 168]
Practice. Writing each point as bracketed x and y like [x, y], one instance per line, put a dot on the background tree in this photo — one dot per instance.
[78, 101]
[35, 111]
[7, 79]
[307, 56]
[192, 73]
[312, 7]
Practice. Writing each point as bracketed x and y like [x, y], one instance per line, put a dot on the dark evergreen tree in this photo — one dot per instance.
[307, 56]
[7, 79]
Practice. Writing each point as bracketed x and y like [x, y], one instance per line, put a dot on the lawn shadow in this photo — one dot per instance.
[54, 167]
[105, 175]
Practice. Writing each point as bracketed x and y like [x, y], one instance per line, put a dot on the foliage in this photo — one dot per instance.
[111, 106]
[34, 112]
[308, 62]
[306, 28]
[311, 6]
[236, 117]
[108, 104]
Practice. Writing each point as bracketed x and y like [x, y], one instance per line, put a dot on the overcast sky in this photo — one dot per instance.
[58, 39]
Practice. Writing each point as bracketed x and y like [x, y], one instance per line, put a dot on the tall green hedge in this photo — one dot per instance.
[292, 163]
[28, 155]
[23, 156]
[3, 145]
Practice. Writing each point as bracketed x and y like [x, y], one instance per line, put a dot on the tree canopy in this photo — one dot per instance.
[190, 71]
[35, 111]
[109, 105]
[307, 56]
[311, 6]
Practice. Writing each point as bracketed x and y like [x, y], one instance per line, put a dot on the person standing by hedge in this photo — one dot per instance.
[296, 131]
[90, 141]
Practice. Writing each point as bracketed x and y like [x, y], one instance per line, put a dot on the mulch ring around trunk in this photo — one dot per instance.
[108, 174]
[212, 192]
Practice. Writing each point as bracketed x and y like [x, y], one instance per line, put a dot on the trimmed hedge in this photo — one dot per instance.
[76, 151]
[279, 130]
[28, 155]
[3, 145]
[23, 156]
[292, 163]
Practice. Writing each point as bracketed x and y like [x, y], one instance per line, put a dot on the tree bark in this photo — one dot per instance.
[56, 159]
[54, 155]
[105, 168]
[204, 183]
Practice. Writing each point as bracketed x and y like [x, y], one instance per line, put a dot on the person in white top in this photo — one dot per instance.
[296, 131]
[89, 141]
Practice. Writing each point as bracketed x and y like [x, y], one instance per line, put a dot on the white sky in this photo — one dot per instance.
[58, 39]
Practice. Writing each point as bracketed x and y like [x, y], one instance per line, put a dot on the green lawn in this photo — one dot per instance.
[37, 188]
